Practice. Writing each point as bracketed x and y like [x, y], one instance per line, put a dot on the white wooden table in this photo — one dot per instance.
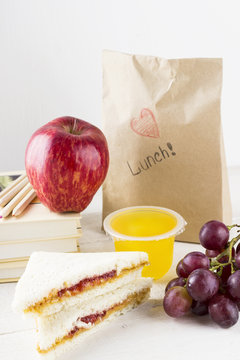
[144, 333]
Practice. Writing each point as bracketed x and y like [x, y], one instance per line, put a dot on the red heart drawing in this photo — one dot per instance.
[146, 124]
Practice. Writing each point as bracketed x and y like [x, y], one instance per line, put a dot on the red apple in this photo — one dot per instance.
[66, 162]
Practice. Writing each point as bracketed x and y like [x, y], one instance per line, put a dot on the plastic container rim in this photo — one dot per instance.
[178, 229]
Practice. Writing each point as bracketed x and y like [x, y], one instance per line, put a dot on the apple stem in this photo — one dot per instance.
[73, 129]
[74, 126]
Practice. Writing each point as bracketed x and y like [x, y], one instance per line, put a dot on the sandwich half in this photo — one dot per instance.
[71, 295]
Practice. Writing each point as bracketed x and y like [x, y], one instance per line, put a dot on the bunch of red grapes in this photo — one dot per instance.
[208, 283]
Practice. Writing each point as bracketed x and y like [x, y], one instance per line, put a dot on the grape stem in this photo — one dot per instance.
[230, 227]
[215, 264]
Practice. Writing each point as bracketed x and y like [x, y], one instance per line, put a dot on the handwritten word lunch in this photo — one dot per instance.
[151, 160]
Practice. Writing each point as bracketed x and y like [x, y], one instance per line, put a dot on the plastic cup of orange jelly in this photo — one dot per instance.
[146, 228]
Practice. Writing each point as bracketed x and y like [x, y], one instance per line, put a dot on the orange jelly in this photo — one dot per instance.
[149, 229]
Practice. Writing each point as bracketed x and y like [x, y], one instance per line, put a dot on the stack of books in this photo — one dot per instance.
[36, 229]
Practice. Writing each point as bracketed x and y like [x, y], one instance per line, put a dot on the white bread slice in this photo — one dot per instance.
[60, 324]
[76, 340]
[48, 271]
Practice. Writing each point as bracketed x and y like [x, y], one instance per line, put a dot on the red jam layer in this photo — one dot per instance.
[81, 285]
[87, 319]
[93, 318]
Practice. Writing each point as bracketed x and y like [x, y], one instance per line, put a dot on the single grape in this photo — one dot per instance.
[223, 311]
[181, 272]
[214, 235]
[200, 308]
[237, 260]
[195, 260]
[233, 285]
[177, 302]
[175, 282]
[212, 253]
[202, 284]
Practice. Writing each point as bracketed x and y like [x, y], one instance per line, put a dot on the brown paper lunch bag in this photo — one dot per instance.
[162, 122]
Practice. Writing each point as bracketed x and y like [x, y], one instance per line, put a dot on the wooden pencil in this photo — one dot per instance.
[15, 201]
[24, 203]
[12, 192]
[12, 185]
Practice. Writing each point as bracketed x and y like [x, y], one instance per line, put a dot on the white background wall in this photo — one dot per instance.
[50, 58]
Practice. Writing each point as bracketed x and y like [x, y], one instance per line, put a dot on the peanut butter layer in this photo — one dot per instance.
[95, 319]
[83, 285]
